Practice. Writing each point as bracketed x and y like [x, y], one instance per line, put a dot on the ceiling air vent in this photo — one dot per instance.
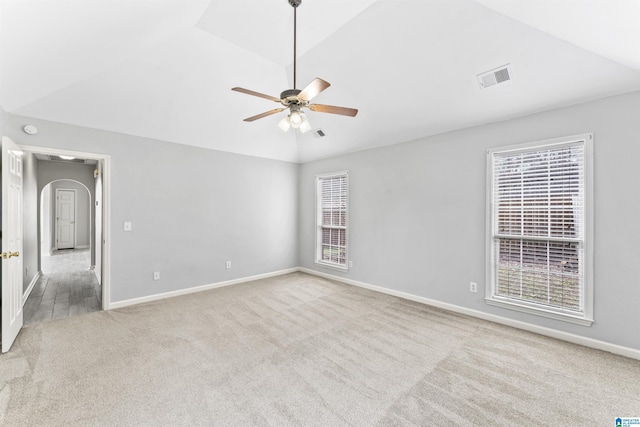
[495, 76]
[319, 133]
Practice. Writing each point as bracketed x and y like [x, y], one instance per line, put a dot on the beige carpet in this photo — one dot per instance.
[298, 350]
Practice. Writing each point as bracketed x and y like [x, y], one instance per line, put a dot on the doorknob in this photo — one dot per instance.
[7, 255]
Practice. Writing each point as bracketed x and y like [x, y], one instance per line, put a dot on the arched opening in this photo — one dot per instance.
[65, 227]
[68, 284]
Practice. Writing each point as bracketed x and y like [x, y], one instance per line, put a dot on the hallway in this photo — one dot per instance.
[67, 288]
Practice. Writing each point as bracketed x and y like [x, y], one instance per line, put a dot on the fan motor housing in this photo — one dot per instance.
[290, 97]
[295, 3]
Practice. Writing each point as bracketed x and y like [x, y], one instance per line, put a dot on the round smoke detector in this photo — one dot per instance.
[30, 129]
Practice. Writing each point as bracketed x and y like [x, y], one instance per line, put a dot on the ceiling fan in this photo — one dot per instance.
[295, 99]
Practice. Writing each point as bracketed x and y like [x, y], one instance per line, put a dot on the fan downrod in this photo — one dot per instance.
[295, 99]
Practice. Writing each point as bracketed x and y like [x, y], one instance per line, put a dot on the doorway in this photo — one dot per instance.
[67, 285]
[72, 243]
[100, 248]
[65, 215]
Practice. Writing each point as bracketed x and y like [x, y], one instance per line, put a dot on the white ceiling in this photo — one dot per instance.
[163, 69]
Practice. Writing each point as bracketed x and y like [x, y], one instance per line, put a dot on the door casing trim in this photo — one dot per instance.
[106, 209]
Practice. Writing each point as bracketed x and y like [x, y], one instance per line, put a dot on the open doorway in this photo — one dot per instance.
[68, 285]
[33, 175]
[70, 241]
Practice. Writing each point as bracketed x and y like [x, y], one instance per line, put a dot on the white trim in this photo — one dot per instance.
[26, 294]
[318, 229]
[538, 310]
[332, 265]
[586, 319]
[544, 144]
[564, 336]
[155, 297]
[106, 209]
[82, 247]
[106, 233]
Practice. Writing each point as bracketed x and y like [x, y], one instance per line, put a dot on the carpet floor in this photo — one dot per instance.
[298, 350]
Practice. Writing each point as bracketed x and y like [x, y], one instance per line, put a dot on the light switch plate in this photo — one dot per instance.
[127, 226]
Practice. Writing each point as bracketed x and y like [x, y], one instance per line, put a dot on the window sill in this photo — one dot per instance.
[537, 311]
[332, 265]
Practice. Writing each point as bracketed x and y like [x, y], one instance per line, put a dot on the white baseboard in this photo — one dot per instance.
[155, 297]
[25, 295]
[82, 247]
[564, 336]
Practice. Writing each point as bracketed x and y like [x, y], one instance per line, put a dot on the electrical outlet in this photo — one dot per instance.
[156, 275]
[350, 263]
[127, 226]
[228, 265]
[473, 287]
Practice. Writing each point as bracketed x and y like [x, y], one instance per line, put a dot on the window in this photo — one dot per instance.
[540, 228]
[331, 240]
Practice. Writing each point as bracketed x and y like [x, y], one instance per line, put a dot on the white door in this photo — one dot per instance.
[11, 242]
[65, 219]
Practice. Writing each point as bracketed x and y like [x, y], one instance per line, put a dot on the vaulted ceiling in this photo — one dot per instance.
[163, 69]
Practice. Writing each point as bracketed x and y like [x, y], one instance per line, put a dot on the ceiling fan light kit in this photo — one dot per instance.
[295, 99]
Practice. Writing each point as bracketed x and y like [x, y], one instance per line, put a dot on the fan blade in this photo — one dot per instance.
[265, 114]
[313, 89]
[344, 111]
[258, 94]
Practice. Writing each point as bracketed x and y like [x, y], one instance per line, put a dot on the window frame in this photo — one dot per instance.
[491, 298]
[319, 226]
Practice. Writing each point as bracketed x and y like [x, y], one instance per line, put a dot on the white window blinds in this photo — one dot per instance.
[538, 215]
[332, 219]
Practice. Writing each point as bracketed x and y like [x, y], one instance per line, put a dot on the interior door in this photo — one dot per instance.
[65, 219]
[12, 315]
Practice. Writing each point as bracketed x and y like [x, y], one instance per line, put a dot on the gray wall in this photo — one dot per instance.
[4, 120]
[417, 213]
[191, 209]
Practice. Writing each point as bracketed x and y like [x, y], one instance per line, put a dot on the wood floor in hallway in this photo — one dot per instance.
[66, 288]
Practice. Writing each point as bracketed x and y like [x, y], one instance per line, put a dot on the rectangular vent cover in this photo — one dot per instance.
[495, 76]
[319, 133]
